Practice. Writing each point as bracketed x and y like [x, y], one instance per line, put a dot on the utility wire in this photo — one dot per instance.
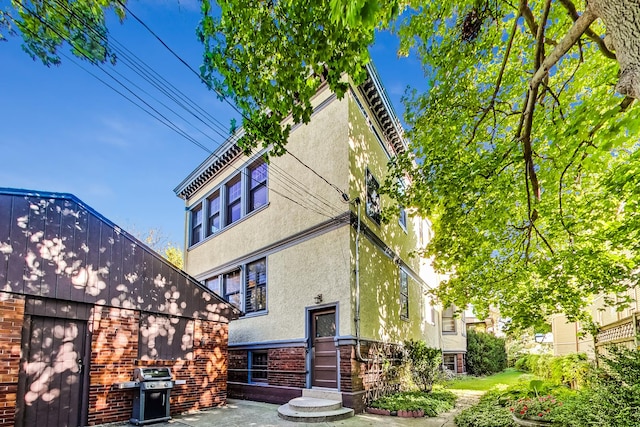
[158, 116]
[225, 98]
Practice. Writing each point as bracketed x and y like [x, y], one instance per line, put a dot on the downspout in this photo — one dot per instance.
[359, 357]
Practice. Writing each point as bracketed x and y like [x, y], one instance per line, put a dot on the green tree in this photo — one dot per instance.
[47, 25]
[486, 353]
[523, 151]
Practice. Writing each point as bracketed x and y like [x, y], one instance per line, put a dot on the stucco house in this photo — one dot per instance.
[328, 289]
[83, 304]
[614, 327]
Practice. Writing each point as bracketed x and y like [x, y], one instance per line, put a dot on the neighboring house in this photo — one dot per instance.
[614, 327]
[82, 303]
[298, 244]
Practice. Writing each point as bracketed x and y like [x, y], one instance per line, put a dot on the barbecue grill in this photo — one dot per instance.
[151, 403]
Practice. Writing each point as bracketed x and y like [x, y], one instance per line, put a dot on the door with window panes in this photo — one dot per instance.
[324, 357]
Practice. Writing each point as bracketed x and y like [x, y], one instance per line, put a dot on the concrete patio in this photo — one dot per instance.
[243, 413]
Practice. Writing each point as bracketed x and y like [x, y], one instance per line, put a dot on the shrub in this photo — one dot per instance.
[432, 403]
[424, 363]
[486, 354]
[572, 369]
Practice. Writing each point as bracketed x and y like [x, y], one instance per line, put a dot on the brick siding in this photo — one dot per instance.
[289, 359]
[11, 321]
[114, 354]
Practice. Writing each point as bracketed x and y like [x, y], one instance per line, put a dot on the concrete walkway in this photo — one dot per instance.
[243, 413]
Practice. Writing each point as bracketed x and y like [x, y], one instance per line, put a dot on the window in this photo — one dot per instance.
[404, 295]
[448, 320]
[402, 218]
[373, 207]
[256, 295]
[402, 214]
[234, 200]
[241, 194]
[213, 284]
[245, 287]
[259, 365]
[449, 361]
[257, 185]
[196, 225]
[231, 287]
[214, 213]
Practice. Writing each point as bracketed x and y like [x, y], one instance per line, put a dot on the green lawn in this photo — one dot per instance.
[508, 377]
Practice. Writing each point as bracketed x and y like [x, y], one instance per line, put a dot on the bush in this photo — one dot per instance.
[571, 370]
[432, 403]
[486, 354]
[613, 398]
[489, 412]
[424, 363]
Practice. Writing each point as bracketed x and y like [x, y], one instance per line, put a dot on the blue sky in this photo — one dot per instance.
[65, 131]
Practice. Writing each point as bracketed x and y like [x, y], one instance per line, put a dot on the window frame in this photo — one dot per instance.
[373, 198]
[211, 214]
[404, 296]
[229, 203]
[196, 216]
[251, 374]
[221, 191]
[453, 321]
[259, 186]
[243, 292]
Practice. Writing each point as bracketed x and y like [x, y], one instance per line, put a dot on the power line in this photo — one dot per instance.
[221, 95]
[161, 117]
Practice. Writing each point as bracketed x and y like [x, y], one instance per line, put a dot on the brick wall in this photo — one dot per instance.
[114, 349]
[114, 352]
[292, 360]
[460, 362]
[238, 359]
[11, 321]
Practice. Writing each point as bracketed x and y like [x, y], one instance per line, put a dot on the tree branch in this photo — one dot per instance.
[571, 9]
[572, 36]
[498, 81]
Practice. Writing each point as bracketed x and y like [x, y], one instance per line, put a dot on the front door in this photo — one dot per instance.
[324, 357]
[52, 369]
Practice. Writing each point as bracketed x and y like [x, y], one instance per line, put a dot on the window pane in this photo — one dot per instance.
[234, 190]
[259, 365]
[326, 325]
[258, 175]
[256, 291]
[258, 197]
[214, 213]
[196, 225]
[213, 284]
[232, 288]
[234, 212]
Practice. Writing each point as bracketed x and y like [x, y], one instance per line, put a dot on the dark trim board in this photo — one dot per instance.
[262, 393]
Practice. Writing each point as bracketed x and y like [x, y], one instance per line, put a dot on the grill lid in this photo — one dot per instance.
[152, 374]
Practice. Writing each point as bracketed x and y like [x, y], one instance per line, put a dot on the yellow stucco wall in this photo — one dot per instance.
[339, 145]
[295, 276]
[283, 217]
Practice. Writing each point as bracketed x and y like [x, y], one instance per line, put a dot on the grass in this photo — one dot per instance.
[505, 378]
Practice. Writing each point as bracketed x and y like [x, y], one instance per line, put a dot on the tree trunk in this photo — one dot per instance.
[622, 20]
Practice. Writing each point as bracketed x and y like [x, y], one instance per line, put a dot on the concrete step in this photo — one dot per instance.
[311, 404]
[287, 413]
[321, 393]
